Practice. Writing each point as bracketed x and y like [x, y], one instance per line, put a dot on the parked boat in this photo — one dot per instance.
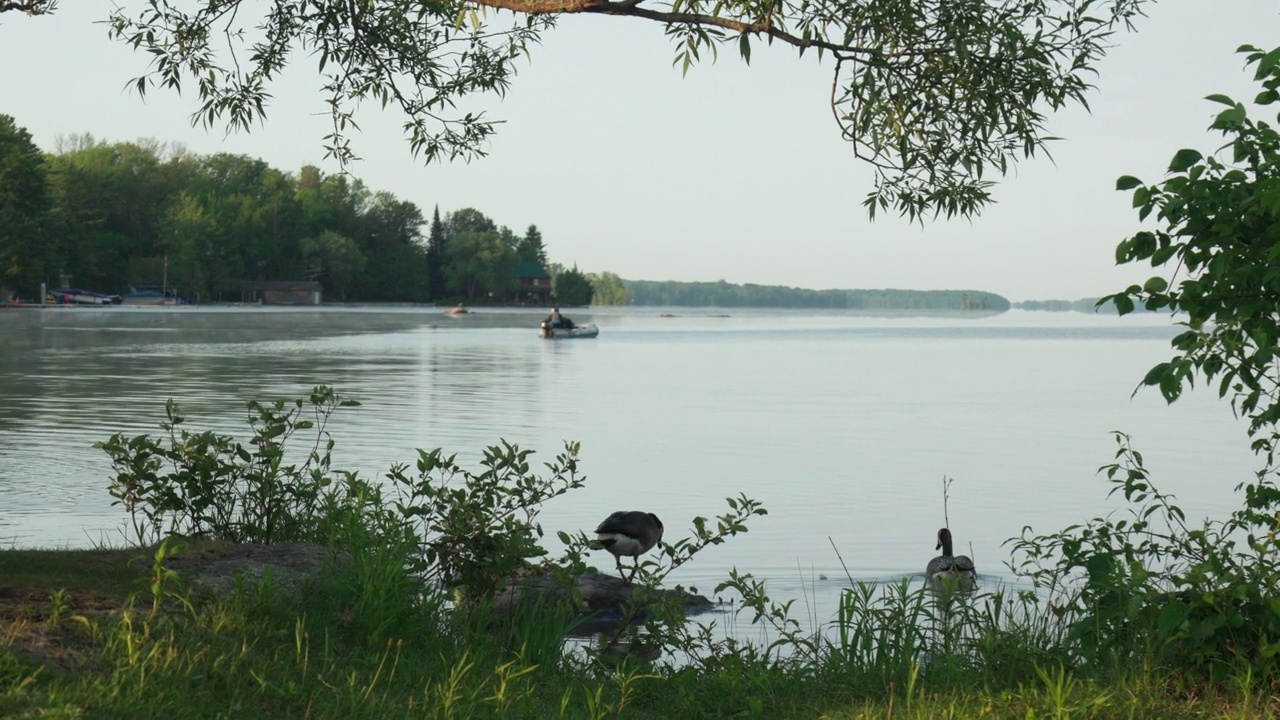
[152, 297]
[79, 296]
[578, 331]
[144, 297]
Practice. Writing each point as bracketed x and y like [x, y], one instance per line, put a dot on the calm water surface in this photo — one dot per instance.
[843, 424]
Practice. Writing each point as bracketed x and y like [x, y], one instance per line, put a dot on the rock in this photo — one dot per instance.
[603, 598]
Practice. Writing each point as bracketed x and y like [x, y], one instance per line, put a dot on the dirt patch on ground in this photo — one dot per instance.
[218, 566]
[36, 612]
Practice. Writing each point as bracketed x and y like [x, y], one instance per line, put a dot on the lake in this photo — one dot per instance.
[842, 423]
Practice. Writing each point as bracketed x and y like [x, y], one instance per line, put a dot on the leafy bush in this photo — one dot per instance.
[1193, 596]
[475, 530]
[1148, 587]
[206, 484]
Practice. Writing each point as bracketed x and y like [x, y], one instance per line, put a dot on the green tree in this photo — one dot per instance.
[272, 253]
[571, 287]
[467, 220]
[391, 239]
[530, 246]
[609, 289]
[935, 95]
[348, 200]
[390, 222]
[24, 209]
[189, 238]
[480, 264]
[314, 213]
[339, 258]
[436, 258]
[510, 238]
[110, 200]
[119, 210]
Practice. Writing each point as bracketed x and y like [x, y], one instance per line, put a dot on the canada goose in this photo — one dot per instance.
[629, 532]
[955, 571]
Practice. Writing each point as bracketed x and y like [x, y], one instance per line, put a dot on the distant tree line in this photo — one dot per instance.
[1048, 305]
[1085, 305]
[115, 216]
[725, 294]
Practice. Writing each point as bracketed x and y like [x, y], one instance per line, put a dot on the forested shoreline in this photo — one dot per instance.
[122, 215]
[116, 217]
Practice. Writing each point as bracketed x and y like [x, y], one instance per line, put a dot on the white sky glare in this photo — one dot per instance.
[733, 172]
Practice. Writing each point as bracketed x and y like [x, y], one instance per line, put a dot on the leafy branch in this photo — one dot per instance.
[935, 95]
[30, 7]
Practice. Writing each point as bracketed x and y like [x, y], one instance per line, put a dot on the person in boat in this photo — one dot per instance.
[556, 320]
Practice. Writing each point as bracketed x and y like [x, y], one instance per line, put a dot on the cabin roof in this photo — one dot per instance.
[532, 269]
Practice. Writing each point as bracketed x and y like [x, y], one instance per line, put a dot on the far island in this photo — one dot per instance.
[726, 294]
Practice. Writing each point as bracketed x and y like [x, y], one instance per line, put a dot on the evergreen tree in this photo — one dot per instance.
[531, 248]
[436, 258]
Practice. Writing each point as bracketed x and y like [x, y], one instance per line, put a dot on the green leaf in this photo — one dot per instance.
[1156, 374]
[1155, 284]
[1100, 568]
[1220, 98]
[1230, 118]
[1184, 159]
[1162, 255]
[1127, 182]
[1141, 196]
[1267, 64]
[744, 47]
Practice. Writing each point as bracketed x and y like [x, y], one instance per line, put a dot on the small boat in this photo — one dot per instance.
[577, 331]
[79, 296]
[152, 294]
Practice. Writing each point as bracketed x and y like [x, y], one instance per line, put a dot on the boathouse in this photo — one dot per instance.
[281, 292]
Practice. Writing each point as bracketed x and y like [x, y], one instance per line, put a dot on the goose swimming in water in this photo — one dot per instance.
[950, 571]
[629, 532]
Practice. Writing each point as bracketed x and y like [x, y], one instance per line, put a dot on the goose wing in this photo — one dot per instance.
[622, 521]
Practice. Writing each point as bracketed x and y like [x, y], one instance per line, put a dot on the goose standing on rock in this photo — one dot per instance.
[947, 571]
[628, 532]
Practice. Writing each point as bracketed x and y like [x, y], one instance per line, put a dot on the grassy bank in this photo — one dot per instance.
[130, 648]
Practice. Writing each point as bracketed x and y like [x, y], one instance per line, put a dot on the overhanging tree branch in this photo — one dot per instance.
[936, 95]
[632, 8]
[30, 7]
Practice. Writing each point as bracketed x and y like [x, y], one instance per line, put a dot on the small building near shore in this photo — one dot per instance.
[281, 292]
[533, 284]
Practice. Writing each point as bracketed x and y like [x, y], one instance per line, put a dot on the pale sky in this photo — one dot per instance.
[733, 173]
